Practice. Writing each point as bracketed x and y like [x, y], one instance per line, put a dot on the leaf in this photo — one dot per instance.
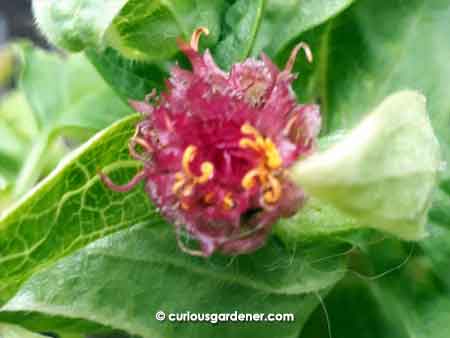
[147, 30]
[58, 89]
[400, 294]
[65, 327]
[145, 265]
[76, 24]
[315, 220]
[17, 127]
[70, 208]
[130, 79]
[389, 188]
[242, 22]
[11, 331]
[437, 246]
[285, 20]
[67, 98]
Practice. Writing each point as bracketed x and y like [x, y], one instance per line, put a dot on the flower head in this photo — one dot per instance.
[216, 147]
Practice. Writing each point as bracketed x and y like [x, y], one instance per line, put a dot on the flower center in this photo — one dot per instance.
[186, 180]
[265, 173]
[267, 169]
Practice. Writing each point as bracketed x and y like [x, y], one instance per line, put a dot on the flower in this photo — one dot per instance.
[216, 149]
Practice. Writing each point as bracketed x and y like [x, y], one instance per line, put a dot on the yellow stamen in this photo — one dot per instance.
[248, 143]
[273, 158]
[248, 181]
[188, 157]
[186, 180]
[272, 161]
[207, 169]
[179, 182]
[272, 155]
[228, 201]
[248, 129]
[274, 193]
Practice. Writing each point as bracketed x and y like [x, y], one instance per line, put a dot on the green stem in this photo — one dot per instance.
[32, 168]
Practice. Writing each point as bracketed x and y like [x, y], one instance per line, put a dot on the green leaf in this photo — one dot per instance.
[76, 24]
[70, 208]
[389, 188]
[12, 331]
[64, 326]
[17, 127]
[242, 22]
[145, 265]
[67, 97]
[315, 220]
[130, 79]
[59, 90]
[147, 30]
[285, 20]
[395, 290]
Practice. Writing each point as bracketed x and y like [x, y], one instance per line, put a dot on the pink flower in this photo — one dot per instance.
[216, 149]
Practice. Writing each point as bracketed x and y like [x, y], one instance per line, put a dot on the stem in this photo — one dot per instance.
[32, 168]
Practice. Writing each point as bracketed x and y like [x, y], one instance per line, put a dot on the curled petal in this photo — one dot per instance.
[196, 37]
[291, 61]
[141, 106]
[122, 188]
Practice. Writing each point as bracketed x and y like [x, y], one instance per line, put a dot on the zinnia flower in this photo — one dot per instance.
[216, 148]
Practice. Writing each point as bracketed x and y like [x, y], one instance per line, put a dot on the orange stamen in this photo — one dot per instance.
[196, 37]
[248, 143]
[272, 161]
[179, 182]
[228, 202]
[186, 179]
[249, 181]
[248, 129]
[274, 192]
[273, 158]
[207, 169]
[188, 157]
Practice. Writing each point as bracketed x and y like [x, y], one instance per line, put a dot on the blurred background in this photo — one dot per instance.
[16, 22]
